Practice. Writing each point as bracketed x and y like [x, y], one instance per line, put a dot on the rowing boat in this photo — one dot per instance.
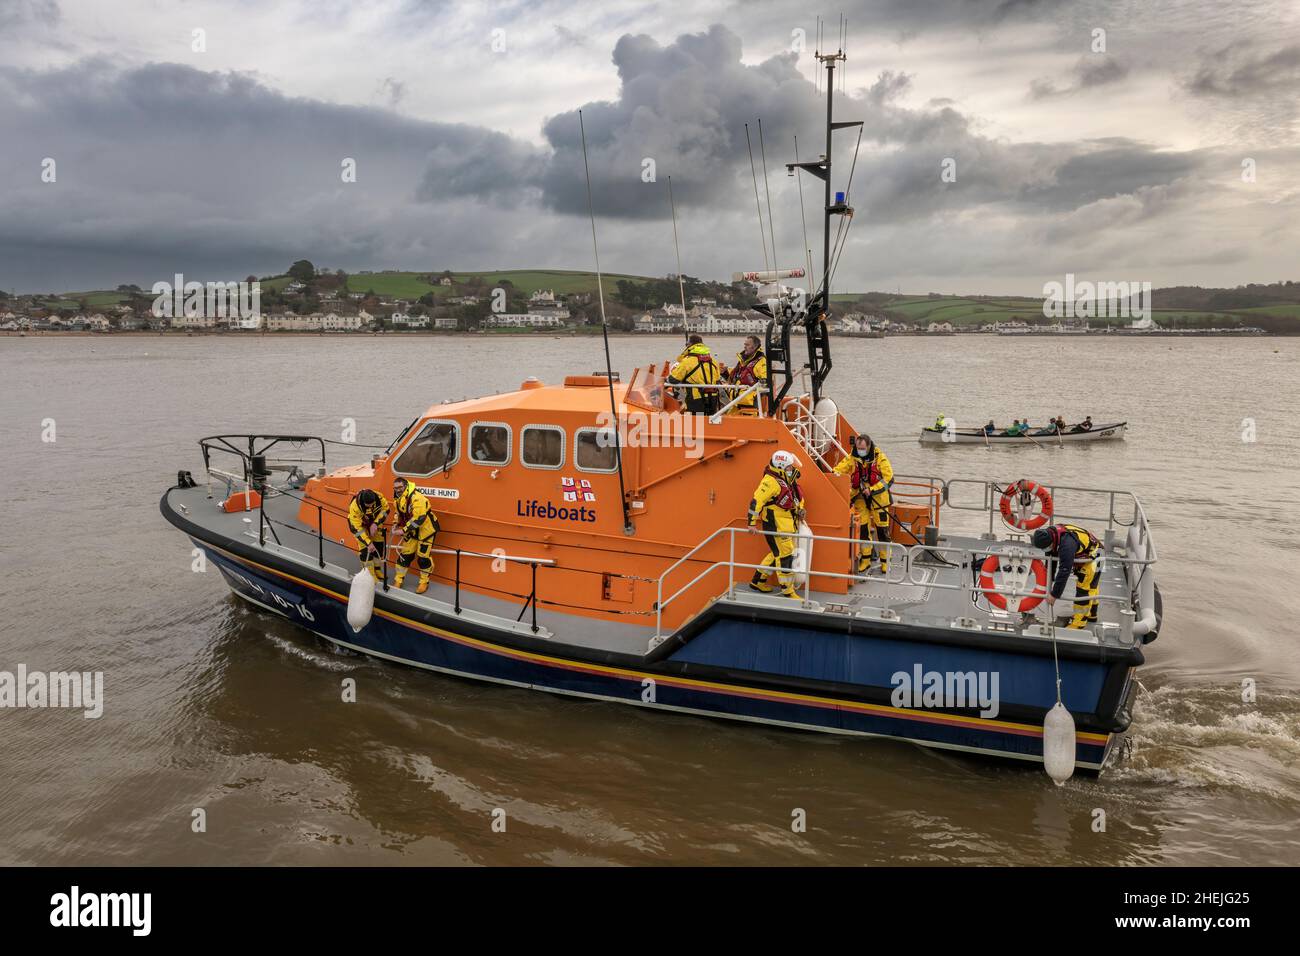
[976, 436]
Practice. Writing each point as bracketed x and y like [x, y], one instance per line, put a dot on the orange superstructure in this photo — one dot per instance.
[533, 474]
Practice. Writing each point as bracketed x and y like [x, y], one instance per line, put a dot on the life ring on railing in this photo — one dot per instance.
[1020, 495]
[1016, 571]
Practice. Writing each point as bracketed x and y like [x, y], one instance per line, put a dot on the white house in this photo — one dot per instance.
[189, 322]
[446, 322]
[408, 321]
[535, 320]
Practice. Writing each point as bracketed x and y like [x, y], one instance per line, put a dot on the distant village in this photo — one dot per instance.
[311, 301]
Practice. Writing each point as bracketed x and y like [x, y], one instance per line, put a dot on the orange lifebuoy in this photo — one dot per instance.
[1023, 490]
[999, 601]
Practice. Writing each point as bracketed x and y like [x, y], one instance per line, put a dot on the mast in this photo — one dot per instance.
[819, 352]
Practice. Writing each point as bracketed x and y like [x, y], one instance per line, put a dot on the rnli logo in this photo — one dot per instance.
[577, 490]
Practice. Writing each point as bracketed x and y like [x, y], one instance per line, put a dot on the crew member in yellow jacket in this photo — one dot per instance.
[419, 526]
[367, 513]
[696, 366]
[778, 504]
[872, 474]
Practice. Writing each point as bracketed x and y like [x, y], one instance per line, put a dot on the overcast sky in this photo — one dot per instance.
[462, 121]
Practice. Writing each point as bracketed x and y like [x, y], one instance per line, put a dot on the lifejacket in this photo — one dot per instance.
[404, 506]
[788, 497]
[866, 474]
[743, 373]
[1088, 544]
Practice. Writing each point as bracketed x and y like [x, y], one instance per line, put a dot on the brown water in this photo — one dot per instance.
[212, 704]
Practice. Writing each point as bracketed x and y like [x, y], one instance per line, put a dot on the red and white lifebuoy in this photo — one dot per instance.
[1014, 571]
[1018, 505]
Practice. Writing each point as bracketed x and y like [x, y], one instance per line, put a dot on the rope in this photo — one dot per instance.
[351, 444]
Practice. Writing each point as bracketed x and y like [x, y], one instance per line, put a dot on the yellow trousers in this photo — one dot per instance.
[1085, 595]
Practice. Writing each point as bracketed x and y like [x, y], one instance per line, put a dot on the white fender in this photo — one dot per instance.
[1058, 744]
[802, 557]
[361, 599]
[827, 416]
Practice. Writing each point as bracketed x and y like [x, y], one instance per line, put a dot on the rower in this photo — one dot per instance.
[872, 474]
[941, 422]
[778, 503]
[696, 367]
[990, 428]
[750, 369]
[419, 527]
[1076, 550]
[1014, 430]
[367, 512]
[1083, 426]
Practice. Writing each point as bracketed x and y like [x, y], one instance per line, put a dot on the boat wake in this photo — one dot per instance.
[319, 654]
[1206, 737]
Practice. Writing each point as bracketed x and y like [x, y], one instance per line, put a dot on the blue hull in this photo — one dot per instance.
[760, 670]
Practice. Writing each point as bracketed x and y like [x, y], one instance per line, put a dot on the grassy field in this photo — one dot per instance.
[963, 311]
[1289, 309]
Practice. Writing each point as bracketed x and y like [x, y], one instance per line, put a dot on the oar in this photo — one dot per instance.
[1032, 439]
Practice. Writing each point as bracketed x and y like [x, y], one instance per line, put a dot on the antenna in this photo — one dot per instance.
[767, 266]
[803, 216]
[771, 230]
[604, 328]
[681, 286]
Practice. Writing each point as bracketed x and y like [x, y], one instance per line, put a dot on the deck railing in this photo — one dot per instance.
[910, 563]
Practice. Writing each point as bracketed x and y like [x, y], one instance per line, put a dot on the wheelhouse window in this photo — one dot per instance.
[543, 446]
[434, 448]
[593, 450]
[489, 443]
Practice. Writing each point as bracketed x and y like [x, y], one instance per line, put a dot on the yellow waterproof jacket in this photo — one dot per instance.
[360, 519]
[776, 499]
[415, 517]
[871, 477]
[696, 367]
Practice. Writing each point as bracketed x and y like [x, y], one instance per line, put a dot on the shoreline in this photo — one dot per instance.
[487, 336]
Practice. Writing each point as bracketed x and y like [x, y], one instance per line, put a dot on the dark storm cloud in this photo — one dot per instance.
[164, 166]
[16, 13]
[909, 16]
[1090, 72]
[1108, 169]
[686, 104]
[683, 106]
[1237, 71]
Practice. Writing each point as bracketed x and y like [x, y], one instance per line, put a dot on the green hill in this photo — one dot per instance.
[412, 285]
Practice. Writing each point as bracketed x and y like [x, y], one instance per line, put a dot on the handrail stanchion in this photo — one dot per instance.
[731, 564]
[533, 565]
[261, 518]
[383, 555]
[458, 580]
[320, 535]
